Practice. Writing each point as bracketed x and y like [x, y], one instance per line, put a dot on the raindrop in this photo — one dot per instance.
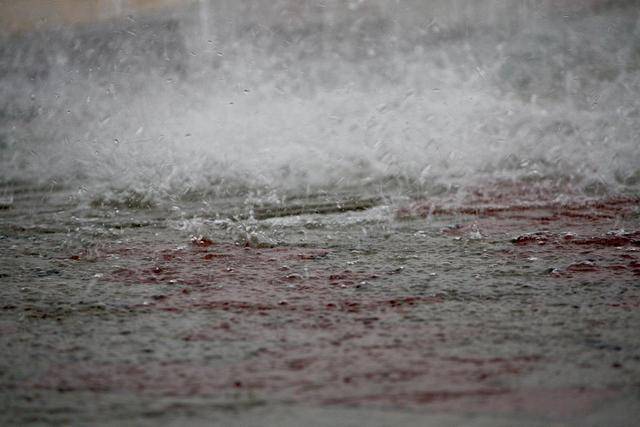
[475, 235]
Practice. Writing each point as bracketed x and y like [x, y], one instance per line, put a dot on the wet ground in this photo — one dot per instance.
[493, 306]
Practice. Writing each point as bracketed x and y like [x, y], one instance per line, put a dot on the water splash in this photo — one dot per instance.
[219, 99]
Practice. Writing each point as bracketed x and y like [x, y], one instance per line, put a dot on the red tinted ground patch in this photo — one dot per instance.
[315, 334]
[611, 253]
[235, 278]
[301, 329]
[580, 237]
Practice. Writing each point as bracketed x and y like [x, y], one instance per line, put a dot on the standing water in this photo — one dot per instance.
[391, 212]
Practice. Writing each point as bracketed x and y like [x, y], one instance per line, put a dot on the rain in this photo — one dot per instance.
[343, 212]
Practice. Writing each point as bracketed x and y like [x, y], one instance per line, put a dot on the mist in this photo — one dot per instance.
[209, 98]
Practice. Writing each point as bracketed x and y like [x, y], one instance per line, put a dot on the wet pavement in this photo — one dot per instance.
[505, 304]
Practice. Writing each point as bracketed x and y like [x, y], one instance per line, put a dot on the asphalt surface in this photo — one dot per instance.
[504, 307]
